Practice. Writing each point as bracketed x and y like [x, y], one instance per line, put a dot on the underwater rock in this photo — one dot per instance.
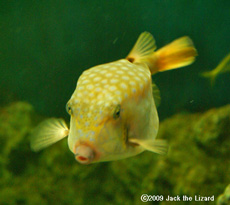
[197, 164]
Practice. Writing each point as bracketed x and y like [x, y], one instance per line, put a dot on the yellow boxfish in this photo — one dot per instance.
[113, 111]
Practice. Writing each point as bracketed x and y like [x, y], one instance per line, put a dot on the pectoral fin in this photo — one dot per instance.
[47, 133]
[158, 146]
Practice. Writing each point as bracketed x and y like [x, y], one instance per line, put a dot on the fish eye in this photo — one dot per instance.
[117, 112]
[68, 109]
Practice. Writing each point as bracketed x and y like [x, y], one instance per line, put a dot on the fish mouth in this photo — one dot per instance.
[84, 154]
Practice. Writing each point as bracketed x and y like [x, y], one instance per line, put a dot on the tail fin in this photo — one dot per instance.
[210, 75]
[178, 53]
[223, 66]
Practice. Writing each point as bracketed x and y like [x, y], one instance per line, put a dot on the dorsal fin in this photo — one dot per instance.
[156, 94]
[143, 48]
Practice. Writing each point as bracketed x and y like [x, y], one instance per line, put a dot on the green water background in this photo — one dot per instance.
[46, 45]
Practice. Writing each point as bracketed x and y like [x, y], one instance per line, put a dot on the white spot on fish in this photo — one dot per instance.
[119, 99]
[85, 81]
[136, 78]
[107, 104]
[118, 92]
[114, 80]
[113, 68]
[89, 115]
[86, 124]
[131, 73]
[79, 94]
[119, 72]
[134, 90]
[86, 101]
[141, 74]
[92, 75]
[85, 92]
[100, 102]
[108, 75]
[132, 83]
[124, 68]
[98, 89]
[141, 86]
[103, 71]
[82, 78]
[115, 102]
[112, 88]
[91, 94]
[104, 81]
[80, 133]
[97, 79]
[100, 96]
[125, 77]
[130, 65]
[124, 86]
[90, 86]
[80, 87]
[110, 98]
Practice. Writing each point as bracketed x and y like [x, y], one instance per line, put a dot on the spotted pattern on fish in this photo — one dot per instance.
[102, 87]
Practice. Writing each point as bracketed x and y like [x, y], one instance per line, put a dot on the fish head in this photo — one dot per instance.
[100, 110]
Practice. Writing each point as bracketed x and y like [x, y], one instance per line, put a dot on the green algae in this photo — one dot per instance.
[197, 164]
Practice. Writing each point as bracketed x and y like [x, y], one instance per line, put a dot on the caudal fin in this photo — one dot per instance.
[210, 75]
[178, 53]
[222, 67]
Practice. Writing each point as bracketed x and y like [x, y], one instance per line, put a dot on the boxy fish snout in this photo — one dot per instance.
[84, 154]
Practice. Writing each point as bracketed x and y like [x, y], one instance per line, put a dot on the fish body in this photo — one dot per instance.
[113, 112]
[112, 103]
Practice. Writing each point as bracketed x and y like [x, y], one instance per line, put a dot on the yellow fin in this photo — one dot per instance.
[222, 67]
[47, 133]
[156, 94]
[181, 52]
[143, 48]
[158, 146]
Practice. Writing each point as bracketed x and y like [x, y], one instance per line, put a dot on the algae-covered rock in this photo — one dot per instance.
[224, 199]
[197, 164]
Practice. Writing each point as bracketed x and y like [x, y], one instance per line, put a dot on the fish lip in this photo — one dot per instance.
[85, 153]
[83, 160]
